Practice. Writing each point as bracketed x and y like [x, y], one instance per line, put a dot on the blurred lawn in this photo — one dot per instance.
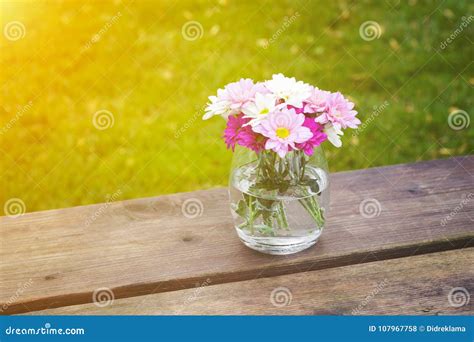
[140, 68]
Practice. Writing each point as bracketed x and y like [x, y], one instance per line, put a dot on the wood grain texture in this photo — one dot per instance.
[59, 257]
[418, 285]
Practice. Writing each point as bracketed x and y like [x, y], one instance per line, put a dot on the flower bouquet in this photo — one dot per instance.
[279, 178]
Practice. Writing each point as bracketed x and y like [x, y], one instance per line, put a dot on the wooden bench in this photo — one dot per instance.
[152, 259]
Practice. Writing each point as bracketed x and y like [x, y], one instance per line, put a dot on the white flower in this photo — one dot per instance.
[291, 91]
[257, 110]
[219, 105]
[333, 134]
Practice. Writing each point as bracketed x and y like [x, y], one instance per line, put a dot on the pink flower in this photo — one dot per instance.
[283, 129]
[232, 98]
[297, 110]
[316, 103]
[241, 92]
[237, 133]
[248, 138]
[318, 136]
[339, 112]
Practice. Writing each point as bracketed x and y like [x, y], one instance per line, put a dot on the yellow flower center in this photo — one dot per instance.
[264, 111]
[282, 132]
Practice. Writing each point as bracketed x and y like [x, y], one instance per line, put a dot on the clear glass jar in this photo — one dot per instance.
[278, 204]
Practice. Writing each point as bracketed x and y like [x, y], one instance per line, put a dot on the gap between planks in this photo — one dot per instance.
[430, 284]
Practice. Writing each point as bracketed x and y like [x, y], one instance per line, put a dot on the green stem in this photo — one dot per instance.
[267, 220]
[276, 174]
[251, 218]
[281, 216]
[312, 207]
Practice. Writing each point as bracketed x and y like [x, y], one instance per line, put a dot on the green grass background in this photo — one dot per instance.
[155, 83]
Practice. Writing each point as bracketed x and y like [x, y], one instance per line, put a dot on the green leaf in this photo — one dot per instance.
[242, 208]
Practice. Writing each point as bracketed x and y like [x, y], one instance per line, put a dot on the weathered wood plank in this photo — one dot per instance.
[418, 285]
[147, 245]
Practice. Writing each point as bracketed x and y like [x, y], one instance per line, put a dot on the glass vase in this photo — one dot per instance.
[279, 205]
